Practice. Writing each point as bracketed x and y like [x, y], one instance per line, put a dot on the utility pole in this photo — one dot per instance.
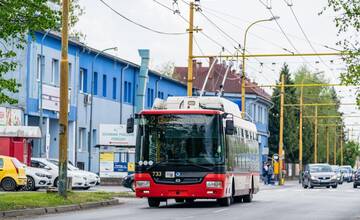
[315, 135]
[335, 147]
[190, 57]
[281, 133]
[301, 127]
[341, 148]
[327, 145]
[63, 118]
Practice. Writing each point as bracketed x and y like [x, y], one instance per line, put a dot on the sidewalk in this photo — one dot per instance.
[288, 184]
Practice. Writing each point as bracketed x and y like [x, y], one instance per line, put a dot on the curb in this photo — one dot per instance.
[58, 209]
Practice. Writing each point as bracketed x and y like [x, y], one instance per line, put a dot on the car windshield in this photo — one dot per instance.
[180, 138]
[335, 169]
[70, 167]
[320, 168]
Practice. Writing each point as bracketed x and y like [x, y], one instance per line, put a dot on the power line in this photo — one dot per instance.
[305, 35]
[140, 25]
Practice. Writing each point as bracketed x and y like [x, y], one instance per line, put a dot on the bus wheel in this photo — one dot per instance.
[237, 199]
[154, 203]
[224, 201]
[249, 197]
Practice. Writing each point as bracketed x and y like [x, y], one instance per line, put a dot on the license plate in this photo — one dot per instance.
[169, 174]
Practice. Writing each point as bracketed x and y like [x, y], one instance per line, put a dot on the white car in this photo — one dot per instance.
[92, 178]
[78, 180]
[37, 178]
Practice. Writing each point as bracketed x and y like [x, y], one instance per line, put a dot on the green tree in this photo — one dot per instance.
[351, 152]
[17, 19]
[347, 20]
[290, 120]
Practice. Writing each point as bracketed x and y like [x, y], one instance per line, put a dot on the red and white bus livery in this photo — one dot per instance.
[191, 148]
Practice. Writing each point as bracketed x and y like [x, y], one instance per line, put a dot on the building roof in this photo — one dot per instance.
[232, 83]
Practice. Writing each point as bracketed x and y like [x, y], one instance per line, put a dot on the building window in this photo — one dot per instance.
[38, 67]
[82, 139]
[83, 80]
[150, 97]
[127, 92]
[104, 86]
[95, 83]
[114, 88]
[160, 95]
[169, 95]
[55, 72]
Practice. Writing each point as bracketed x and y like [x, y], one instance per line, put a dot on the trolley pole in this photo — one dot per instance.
[315, 135]
[190, 57]
[63, 118]
[281, 132]
[327, 145]
[301, 128]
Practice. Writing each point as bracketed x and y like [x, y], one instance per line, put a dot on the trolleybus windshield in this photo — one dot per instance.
[181, 138]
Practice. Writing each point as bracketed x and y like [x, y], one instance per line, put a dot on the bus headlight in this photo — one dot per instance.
[213, 184]
[143, 184]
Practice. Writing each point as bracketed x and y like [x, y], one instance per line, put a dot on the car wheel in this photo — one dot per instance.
[30, 184]
[334, 186]
[328, 187]
[8, 184]
[355, 186]
[153, 203]
[56, 182]
[132, 186]
[304, 185]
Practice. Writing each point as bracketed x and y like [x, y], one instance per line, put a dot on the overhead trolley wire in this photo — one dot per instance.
[140, 25]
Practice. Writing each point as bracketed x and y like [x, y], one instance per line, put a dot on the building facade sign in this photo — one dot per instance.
[11, 116]
[115, 135]
[51, 98]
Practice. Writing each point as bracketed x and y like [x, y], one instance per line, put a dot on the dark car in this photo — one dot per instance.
[348, 173]
[357, 178]
[129, 182]
[319, 175]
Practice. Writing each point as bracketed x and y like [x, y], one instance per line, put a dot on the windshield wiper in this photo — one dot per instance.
[178, 161]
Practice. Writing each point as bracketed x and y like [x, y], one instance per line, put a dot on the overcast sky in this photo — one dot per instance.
[103, 28]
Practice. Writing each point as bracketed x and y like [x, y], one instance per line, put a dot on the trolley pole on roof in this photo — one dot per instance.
[281, 132]
[63, 117]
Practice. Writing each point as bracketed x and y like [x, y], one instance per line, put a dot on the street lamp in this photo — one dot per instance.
[243, 62]
[91, 103]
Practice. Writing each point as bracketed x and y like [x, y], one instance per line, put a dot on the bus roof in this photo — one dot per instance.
[181, 111]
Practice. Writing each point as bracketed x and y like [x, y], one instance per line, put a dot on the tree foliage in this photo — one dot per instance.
[17, 19]
[351, 152]
[347, 20]
[291, 117]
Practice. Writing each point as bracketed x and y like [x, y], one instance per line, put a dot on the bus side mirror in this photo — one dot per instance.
[229, 129]
[130, 125]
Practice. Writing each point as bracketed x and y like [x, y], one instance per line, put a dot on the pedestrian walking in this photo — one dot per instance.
[265, 173]
[270, 174]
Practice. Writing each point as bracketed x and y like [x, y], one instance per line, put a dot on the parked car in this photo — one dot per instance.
[319, 175]
[357, 178]
[12, 174]
[347, 172]
[91, 178]
[339, 174]
[129, 182]
[78, 180]
[37, 178]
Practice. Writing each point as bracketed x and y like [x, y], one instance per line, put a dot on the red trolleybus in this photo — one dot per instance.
[195, 148]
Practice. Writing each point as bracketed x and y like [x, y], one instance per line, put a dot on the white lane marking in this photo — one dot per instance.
[220, 210]
[187, 217]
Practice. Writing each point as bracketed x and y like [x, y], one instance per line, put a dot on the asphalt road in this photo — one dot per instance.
[287, 203]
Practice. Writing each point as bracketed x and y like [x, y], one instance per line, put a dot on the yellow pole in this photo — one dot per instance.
[190, 57]
[315, 135]
[301, 127]
[281, 133]
[327, 145]
[63, 116]
[335, 147]
[341, 148]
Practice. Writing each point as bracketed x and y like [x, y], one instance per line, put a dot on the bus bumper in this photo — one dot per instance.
[198, 191]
